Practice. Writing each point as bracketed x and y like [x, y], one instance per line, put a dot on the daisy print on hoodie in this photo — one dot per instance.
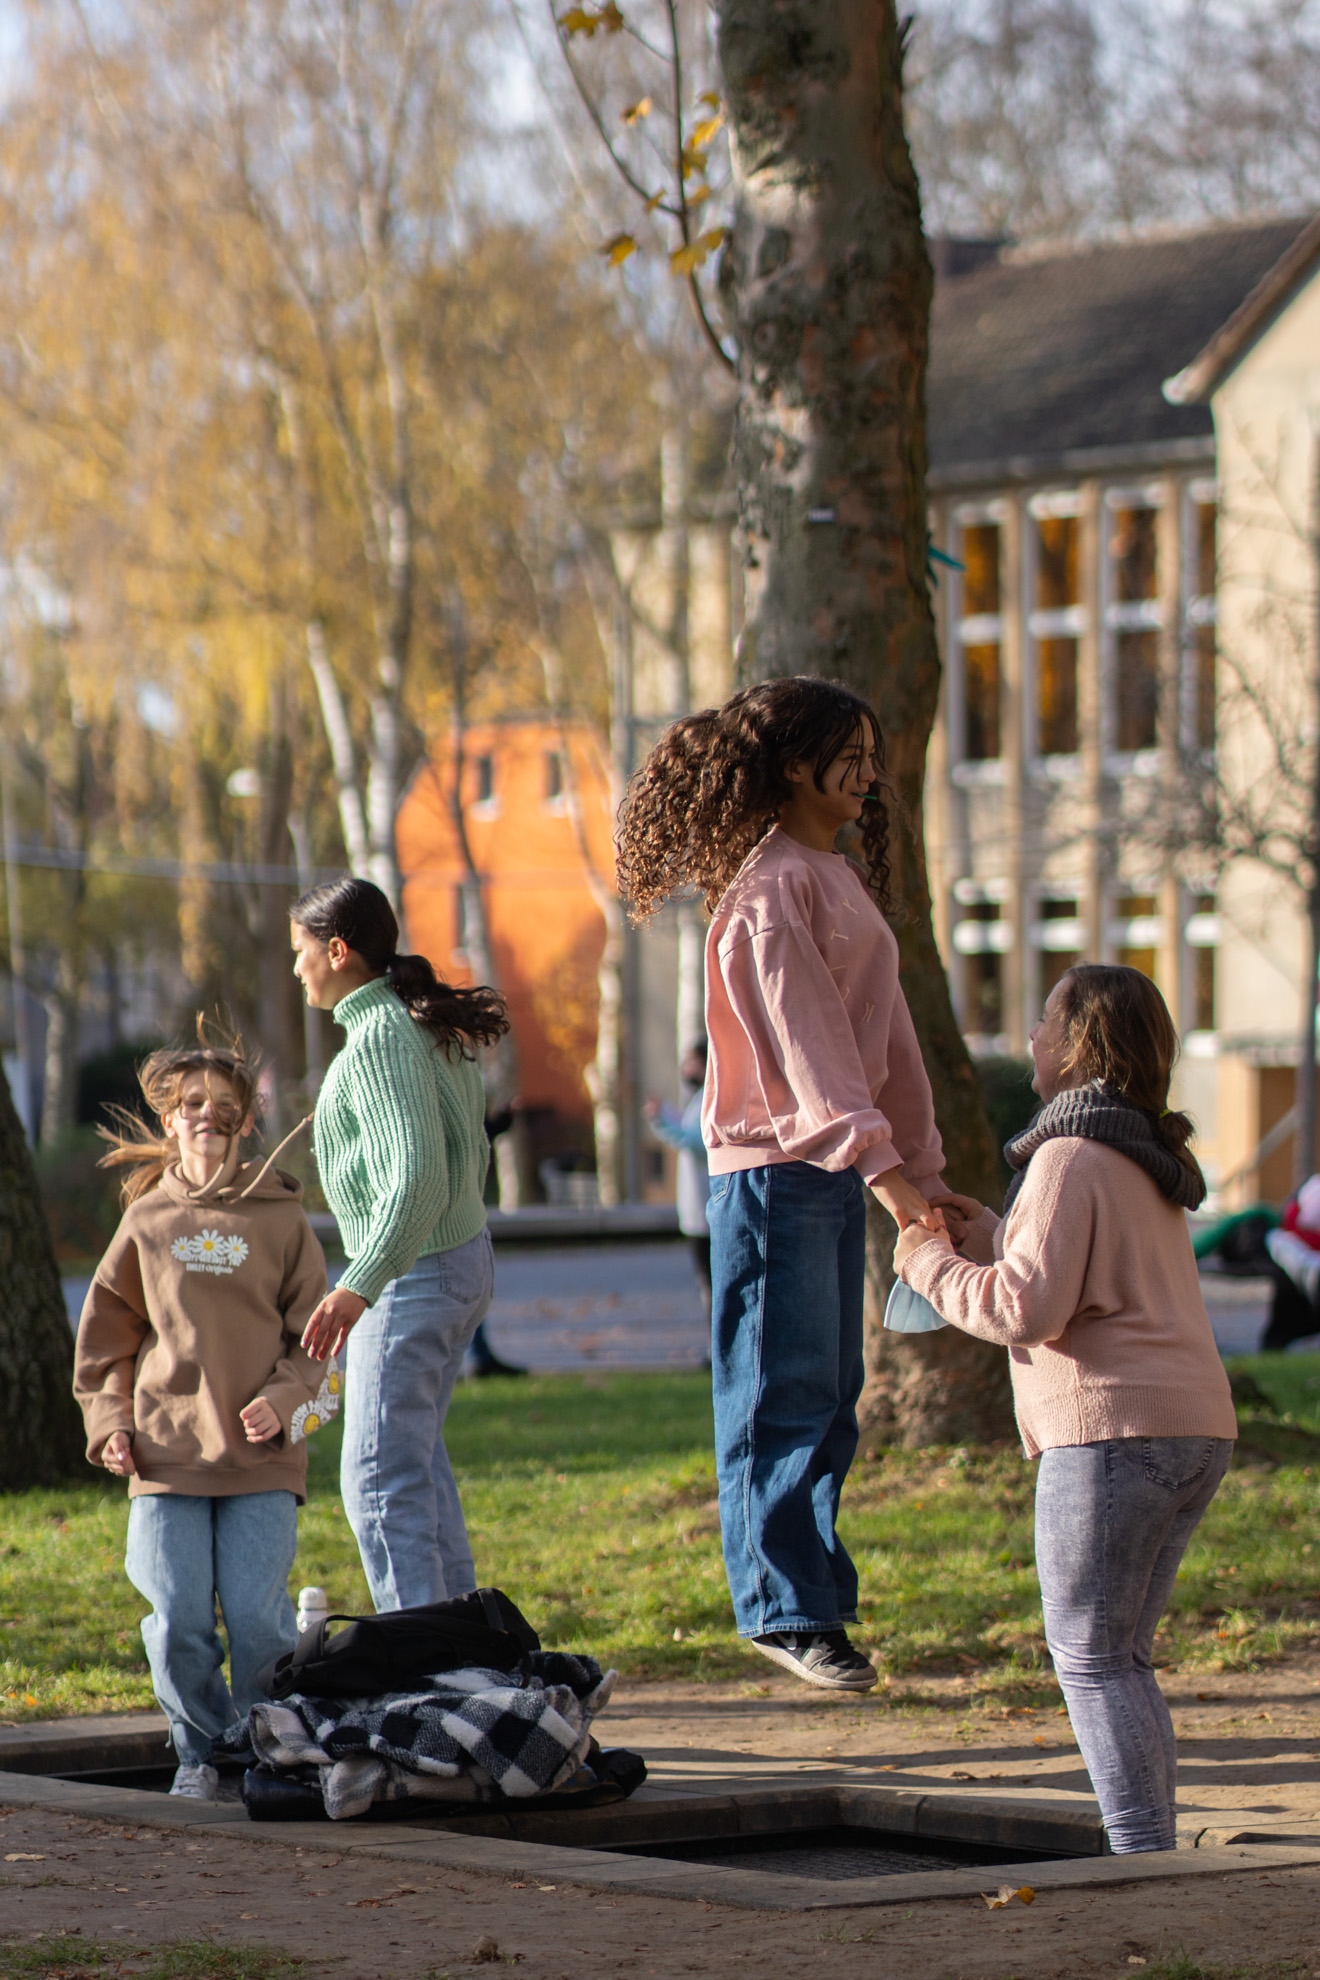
[212, 1251]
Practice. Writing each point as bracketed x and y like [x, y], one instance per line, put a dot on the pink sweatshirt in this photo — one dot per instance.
[1091, 1284]
[813, 1057]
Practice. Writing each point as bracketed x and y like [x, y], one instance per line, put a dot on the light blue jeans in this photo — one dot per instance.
[403, 1358]
[182, 1554]
[788, 1259]
[1112, 1524]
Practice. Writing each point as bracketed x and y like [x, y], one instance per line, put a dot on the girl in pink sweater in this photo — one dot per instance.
[815, 1093]
[1090, 1282]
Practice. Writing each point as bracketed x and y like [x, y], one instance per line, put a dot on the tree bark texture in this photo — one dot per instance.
[41, 1438]
[828, 285]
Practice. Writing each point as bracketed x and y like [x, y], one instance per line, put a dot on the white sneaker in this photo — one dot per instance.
[196, 1783]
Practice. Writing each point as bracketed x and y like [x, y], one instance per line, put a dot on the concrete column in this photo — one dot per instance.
[941, 796]
[1169, 568]
[1091, 720]
[1019, 989]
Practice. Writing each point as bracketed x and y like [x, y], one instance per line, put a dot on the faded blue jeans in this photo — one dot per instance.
[402, 1360]
[183, 1552]
[1112, 1524]
[788, 1254]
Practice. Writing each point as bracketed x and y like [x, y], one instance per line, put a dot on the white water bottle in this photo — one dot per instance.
[313, 1607]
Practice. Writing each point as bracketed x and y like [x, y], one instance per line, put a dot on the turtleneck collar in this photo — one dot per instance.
[359, 1004]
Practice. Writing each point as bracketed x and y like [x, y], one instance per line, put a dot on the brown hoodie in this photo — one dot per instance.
[197, 1309]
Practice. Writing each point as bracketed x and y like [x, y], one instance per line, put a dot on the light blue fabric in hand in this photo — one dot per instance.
[908, 1312]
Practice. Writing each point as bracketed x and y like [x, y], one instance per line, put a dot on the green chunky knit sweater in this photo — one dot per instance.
[400, 1142]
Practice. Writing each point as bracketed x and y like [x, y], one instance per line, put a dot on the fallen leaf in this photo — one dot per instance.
[957, 1775]
[1040, 1740]
[23, 1856]
[547, 1887]
[249, 1914]
[1211, 1697]
[1135, 1959]
[1006, 1894]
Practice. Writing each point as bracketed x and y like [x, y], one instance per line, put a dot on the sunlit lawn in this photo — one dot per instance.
[592, 1502]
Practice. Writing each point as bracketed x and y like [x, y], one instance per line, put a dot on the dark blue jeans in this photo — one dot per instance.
[1112, 1524]
[788, 1254]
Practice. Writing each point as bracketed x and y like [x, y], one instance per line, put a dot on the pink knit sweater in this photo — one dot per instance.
[1091, 1284]
[813, 1057]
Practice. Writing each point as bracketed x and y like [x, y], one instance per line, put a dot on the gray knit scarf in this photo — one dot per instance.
[1096, 1113]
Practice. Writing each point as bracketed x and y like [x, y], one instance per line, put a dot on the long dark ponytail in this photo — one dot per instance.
[361, 917]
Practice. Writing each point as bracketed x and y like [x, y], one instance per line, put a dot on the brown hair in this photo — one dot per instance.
[147, 1153]
[1117, 1030]
[360, 915]
[714, 785]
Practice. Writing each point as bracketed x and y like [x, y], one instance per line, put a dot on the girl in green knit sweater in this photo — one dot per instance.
[402, 1152]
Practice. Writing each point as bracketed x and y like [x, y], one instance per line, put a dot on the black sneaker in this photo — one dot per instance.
[825, 1658]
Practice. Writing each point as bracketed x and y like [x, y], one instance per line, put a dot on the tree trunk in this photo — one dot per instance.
[828, 284]
[41, 1437]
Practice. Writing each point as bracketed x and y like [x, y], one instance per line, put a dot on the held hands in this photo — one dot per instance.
[332, 1323]
[910, 1239]
[260, 1421]
[959, 1213]
[117, 1456]
[905, 1202]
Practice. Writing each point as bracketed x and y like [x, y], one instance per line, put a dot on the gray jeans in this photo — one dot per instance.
[1112, 1524]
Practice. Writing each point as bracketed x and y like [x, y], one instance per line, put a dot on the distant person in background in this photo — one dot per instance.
[680, 1129]
[1294, 1251]
[482, 1359]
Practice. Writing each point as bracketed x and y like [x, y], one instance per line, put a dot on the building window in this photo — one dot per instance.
[554, 775]
[1199, 684]
[1201, 934]
[484, 767]
[1136, 932]
[1055, 622]
[1133, 615]
[1058, 938]
[981, 937]
[978, 639]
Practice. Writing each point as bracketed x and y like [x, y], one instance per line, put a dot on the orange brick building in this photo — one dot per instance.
[545, 929]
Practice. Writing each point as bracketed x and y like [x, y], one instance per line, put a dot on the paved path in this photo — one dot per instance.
[637, 1306]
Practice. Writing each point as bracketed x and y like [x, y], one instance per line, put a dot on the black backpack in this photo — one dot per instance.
[391, 1652]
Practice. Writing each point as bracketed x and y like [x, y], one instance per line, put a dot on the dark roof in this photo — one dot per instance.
[1270, 295]
[1038, 361]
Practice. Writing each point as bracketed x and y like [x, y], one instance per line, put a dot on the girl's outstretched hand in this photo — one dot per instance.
[332, 1322]
[905, 1202]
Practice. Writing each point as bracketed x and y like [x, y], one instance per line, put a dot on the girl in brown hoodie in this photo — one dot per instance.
[194, 1386]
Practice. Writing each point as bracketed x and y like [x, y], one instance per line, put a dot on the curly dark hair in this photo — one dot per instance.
[715, 783]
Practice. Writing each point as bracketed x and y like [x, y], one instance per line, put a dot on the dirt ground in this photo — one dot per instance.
[1250, 1747]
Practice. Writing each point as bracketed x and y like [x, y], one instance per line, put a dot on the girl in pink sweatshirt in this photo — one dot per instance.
[1090, 1282]
[815, 1093]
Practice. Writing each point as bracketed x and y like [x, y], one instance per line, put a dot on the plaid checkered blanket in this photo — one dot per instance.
[469, 1736]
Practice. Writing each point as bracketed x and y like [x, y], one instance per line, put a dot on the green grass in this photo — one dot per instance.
[59, 1957]
[591, 1500]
